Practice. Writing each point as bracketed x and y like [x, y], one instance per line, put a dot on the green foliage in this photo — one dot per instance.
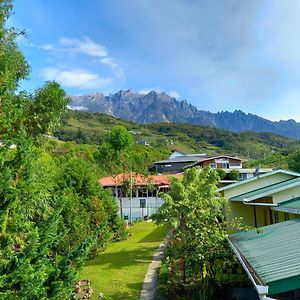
[233, 175]
[294, 161]
[194, 208]
[44, 111]
[221, 173]
[266, 149]
[119, 138]
[52, 212]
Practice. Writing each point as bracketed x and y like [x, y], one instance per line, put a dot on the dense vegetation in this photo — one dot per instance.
[266, 149]
[198, 250]
[53, 214]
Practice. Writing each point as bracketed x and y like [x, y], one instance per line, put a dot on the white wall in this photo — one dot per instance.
[137, 213]
[259, 182]
[286, 195]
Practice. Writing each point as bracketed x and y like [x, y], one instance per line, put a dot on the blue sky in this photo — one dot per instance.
[218, 55]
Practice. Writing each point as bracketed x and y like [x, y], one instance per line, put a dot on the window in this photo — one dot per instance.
[213, 166]
[142, 192]
[152, 193]
[243, 176]
[225, 165]
[286, 217]
[120, 192]
[232, 165]
[142, 203]
[276, 217]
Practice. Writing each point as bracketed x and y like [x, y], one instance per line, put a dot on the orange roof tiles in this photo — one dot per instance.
[138, 179]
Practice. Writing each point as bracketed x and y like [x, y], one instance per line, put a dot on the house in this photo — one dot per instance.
[142, 142]
[264, 200]
[270, 257]
[178, 162]
[137, 196]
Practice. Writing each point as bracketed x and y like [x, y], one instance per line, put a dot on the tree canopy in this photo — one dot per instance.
[198, 248]
[52, 211]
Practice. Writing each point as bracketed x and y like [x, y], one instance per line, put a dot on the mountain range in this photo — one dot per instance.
[157, 107]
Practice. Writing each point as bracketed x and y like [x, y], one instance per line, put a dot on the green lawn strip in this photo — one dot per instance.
[119, 271]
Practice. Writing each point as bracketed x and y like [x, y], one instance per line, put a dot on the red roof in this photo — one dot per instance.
[138, 179]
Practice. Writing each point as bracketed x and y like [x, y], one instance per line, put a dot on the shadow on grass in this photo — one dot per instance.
[118, 260]
[156, 235]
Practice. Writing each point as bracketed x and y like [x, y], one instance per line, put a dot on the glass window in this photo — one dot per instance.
[152, 193]
[276, 217]
[142, 203]
[243, 176]
[213, 166]
[142, 192]
[235, 164]
[286, 217]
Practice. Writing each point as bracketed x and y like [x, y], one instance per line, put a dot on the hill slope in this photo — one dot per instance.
[91, 128]
[160, 107]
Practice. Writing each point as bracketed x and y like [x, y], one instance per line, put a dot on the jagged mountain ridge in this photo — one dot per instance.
[157, 107]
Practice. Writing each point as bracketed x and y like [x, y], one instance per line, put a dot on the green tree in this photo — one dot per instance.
[45, 108]
[233, 175]
[294, 161]
[113, 155]
[221, 173]
[33, 264]
[119, 138]
[194, 209]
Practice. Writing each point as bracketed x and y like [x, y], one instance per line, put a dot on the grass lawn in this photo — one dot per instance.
[119, 271]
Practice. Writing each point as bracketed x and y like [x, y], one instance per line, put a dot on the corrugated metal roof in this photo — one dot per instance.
[273, 254]
[185, 158]
[295, 174]
[289, 206]
[267, 190]
[196, 158]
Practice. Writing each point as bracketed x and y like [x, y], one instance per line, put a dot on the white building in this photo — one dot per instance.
[137, 195]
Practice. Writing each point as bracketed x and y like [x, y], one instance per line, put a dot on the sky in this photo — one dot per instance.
[218, 55]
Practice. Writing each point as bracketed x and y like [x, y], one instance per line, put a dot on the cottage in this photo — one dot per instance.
[178, 162]
[264, 200]
[137, 195]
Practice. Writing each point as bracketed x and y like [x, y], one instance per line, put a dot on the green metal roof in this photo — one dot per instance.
[289, 206]
[295, 174]
[273, 254]
[267, 190]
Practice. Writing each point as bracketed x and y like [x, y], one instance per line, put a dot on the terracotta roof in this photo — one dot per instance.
[138, 179]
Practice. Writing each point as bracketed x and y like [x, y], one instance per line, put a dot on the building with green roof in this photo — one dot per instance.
[256, 199]
[270, 257]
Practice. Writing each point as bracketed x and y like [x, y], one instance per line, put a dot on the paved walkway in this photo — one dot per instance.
[151, 278]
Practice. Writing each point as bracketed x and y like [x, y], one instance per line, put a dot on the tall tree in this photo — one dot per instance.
[194, 208]
[33, 263]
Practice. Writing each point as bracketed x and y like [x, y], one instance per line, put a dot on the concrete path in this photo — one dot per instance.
[151, 278]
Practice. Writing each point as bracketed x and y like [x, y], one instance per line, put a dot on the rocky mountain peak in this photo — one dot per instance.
[160, 107]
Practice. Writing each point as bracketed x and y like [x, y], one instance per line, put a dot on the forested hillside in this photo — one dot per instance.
[265, 148]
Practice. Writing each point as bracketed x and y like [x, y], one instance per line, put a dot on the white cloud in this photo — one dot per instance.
[108, 61]
[174, 94]
[46, 46]
[85, 46]
[78, 78]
